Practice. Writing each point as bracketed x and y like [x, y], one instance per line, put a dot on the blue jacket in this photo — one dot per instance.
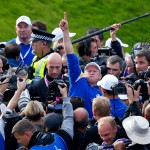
[2, 143]
[79, 86]
[118, 108]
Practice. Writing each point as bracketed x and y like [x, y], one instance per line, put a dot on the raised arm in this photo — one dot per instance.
[66, 39]
[14, 100]
[67, 124]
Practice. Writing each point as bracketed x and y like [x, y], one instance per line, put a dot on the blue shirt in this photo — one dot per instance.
[26, 52]
[12, 62]
[118, 108]
[79, 86]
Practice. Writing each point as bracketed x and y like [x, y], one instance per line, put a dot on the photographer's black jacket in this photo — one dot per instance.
[41, 90]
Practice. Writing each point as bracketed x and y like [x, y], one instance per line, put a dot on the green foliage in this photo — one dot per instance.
[82, 14]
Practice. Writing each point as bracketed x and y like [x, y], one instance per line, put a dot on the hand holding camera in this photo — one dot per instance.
[21, 84]
[131, 93]
[63, 90]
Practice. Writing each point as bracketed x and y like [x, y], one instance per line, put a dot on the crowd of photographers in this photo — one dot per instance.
[52, 98]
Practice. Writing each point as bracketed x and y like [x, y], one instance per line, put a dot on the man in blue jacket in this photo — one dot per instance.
[118, 108]
[84, 84]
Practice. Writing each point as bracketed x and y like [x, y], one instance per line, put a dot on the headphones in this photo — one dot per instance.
[86, 44]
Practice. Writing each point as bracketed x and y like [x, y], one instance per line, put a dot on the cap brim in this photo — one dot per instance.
[72, 34]
[123, 96]
[124, 45]
[58, 37]
[34, 39]
[132, 135]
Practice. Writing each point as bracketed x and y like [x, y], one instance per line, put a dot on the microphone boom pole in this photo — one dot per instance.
[108, 28]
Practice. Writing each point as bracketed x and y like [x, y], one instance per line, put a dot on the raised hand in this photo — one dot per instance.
[64, 23]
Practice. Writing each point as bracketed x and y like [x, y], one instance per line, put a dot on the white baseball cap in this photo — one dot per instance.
[107, 81]
[59, 34]
[108, 43]
[25, 19]
[93, 64]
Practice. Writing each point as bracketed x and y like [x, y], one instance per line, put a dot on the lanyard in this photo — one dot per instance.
[22, 58]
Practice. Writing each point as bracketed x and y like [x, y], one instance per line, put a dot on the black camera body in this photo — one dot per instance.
[53, 88]
[11, 118]
[119, 88]
[141, 83]
[31, 71]
[144, 74]
[106, 51]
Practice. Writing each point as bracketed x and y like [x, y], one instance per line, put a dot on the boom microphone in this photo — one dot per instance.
[108, 28]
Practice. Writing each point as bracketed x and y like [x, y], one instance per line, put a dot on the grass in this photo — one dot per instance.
[82, 14]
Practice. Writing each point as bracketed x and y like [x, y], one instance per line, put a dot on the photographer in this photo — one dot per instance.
[9, 117]
[142, 62]
[118, 108]
[46, 88]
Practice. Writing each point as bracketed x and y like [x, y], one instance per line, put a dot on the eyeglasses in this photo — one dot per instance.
[64, 67]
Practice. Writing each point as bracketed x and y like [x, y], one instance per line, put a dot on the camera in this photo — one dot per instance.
[106, 51]
[119, 88]
[11, 118]
[144, 74]
[143, 90]
[53, 88]
[131, 78]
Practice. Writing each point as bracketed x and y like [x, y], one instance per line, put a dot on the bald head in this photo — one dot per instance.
[81, 117]
[54, 57]
[80, 114]
[54, 65]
